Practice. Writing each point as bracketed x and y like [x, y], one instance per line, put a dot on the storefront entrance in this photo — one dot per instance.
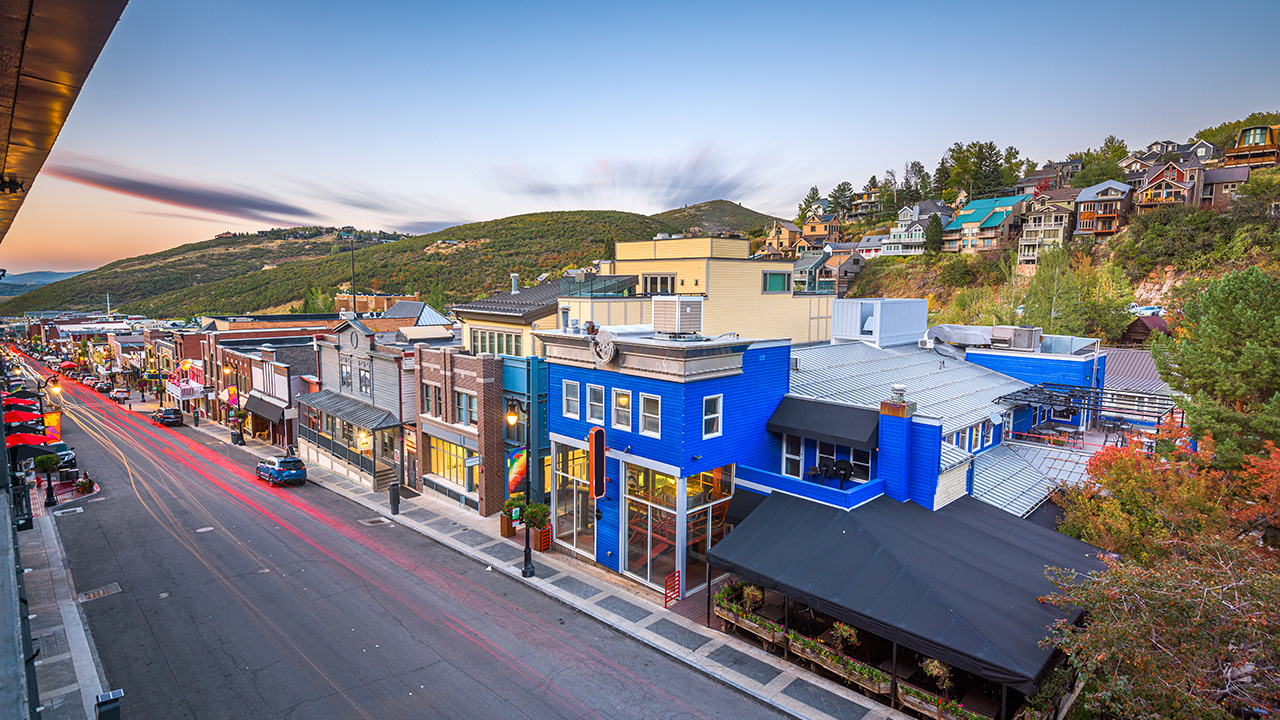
[573, 509]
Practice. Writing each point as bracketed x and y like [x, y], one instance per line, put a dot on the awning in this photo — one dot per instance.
[12, 416]
[742, 504]
[826, 421]
[26, 439]
[263, 408]
[961, 584]
[357, 413]
[68, 365]
[27, 452]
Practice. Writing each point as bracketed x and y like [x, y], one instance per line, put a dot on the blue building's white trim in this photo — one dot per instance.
[765, 490]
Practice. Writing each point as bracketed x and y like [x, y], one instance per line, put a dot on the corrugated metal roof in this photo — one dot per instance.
[1017, 478]
[958, 392]
[994, 219]
[953, 457]
[1133, 369]
[1091, 192]
[350, 409]
[526, 303]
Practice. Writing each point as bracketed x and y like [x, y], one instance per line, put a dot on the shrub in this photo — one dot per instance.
[956, 273]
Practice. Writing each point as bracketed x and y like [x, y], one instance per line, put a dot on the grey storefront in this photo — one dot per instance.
[350, 437]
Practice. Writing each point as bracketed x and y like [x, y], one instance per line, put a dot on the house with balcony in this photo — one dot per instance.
[866, 204]
[1221, 185]
[355, 424]
[907, 236]
[1053, 175]
[985, 224]
[783, 236]
[1255, 147]
[1102, 209]
[819, 229]
[1046, 224]
[1170, 183]
[755, 298]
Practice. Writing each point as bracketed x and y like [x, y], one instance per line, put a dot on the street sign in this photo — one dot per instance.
[471, 461]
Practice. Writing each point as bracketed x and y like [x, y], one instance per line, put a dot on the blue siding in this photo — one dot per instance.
[847, 498]
[1023, 419]
[894, 443]
[1037, 368]
[924, 453]
[610, 523]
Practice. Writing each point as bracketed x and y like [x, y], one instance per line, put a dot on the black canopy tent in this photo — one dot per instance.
[960, 584]
[826, 421]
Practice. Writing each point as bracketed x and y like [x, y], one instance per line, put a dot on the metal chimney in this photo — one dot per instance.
[515, 283]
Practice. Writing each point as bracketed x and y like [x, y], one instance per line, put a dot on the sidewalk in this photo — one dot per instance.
[67, 666]
[609, 599]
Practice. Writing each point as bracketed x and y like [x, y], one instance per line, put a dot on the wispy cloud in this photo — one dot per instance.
[705, 175]
[181, 193]
[395, 211]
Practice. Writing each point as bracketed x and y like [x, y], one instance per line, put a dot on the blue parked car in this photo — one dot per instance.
[283, 471]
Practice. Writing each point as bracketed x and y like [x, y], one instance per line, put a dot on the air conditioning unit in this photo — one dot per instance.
[1002, 337]
[677, 314]
[925, 343]
[1026, 338]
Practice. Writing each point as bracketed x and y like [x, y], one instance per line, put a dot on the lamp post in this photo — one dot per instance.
[51, 383]
[226, 384]
[513, 417]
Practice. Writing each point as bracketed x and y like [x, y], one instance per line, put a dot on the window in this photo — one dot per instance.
[1063, 415]
[974, 438]
[473, 416]
[792, 455]
[1253, 136]
[571, 399]
[449, 461]
[775, 282]
[595, 404]
[498, 343]
[365, 374]
[711, 407]
[988, 430]
[344, 372]
[431, 400]
[664, 284]
[622, 410]
[651, 415]
[460, 406]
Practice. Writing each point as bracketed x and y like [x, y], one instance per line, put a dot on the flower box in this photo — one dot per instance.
[861, 674]
[754, 625]
[505, 527]
[930, 705]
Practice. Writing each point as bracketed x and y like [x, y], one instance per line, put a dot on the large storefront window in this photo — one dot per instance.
[574, 513]
[653, 520]
[449, 462]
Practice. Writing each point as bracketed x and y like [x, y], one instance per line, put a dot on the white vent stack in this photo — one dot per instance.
[515, 283]
[677, 314]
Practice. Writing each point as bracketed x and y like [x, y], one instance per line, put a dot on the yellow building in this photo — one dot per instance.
[753, 298]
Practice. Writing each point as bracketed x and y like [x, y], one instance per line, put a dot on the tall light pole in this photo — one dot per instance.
[50, 382]
[513, 417]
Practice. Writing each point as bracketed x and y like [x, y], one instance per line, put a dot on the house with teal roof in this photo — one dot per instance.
[985, 224]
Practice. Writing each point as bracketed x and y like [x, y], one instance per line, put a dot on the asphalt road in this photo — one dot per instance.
[239, 600]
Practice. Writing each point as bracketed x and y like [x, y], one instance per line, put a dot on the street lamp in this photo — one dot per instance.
[513, 417]
[52, 384]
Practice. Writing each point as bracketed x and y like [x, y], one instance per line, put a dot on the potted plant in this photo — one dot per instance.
[844, 636]
[47, 465]
[84, 485]
[537, 516]
[511, 511]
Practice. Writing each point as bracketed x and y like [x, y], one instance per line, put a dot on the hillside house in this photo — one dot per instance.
[1102, 209]
[907, 236]
[1255, 147]
[1046, 224]
[985, 224]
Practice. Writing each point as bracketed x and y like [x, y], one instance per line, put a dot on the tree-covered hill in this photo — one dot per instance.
[465, 262]
[183, 267]
[715, 216]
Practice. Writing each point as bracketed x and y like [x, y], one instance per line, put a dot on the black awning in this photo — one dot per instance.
[826, 421]
[961, 584]
[360, 414]
[263, 409]
[742, 504]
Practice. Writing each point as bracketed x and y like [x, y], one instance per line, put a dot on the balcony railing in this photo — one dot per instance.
[1157, 199]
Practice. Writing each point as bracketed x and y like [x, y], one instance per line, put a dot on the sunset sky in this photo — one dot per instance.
[244, 114]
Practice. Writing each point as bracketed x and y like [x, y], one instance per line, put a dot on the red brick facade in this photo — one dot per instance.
[450, 369]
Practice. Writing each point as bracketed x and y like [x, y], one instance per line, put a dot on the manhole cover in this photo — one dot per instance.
[68, 511]
[375, 522]
[103, 591]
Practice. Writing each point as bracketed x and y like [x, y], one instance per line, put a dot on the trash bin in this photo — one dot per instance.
[237, 438]
[393, 492]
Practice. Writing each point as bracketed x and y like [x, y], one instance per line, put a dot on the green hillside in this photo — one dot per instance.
[466, 261]
[715, 216]
[182, 268]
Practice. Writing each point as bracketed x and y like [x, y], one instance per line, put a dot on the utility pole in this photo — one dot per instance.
[353, 271]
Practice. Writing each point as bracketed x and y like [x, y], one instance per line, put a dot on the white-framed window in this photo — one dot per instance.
[988, 432]
[622, 410]
[712, 411]
[595, 404]
[775, 282]
[364, 373]
[974, 438]
[344, 372]
[826, 451]
[1062, 415]
[571, 399]
[792, 455]
[658, 284]
[650, 415]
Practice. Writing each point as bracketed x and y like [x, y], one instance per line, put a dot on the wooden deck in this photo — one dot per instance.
[694, 607]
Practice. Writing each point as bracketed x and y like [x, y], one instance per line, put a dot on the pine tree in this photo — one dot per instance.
[1223, 358]
[808, 204]
[1053, 296]
[841, 199]
[933, 235]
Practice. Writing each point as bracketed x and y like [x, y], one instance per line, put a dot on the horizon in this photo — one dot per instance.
[198, 120]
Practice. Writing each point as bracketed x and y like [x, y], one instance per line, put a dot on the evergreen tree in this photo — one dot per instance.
[841, 199]
[1053, 295]
[436, 297]
[1224, 360]
[933, 235]
[872, 184]
[807, 205]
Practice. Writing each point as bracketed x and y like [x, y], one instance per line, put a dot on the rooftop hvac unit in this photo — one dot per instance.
[1002, 337]
[925, 343]
[1026, 338]
[677, 314]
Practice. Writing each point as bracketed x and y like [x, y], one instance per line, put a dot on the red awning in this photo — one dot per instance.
[68, 365]
[19, 401]
[19, 416]
[26, 439]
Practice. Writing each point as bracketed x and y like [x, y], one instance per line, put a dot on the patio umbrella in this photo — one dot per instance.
[25, 395]
[68, 365]
[27, 452]
[25, 439]
[13, 401]
[24, 428]
[11, 416]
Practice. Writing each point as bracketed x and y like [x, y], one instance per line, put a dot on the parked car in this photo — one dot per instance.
[167, 416]
[120, 394]
[283, 471]
[102, 386]
[1150, 311]
[66, 456]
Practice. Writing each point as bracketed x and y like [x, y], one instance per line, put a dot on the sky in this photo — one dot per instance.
[202, 117]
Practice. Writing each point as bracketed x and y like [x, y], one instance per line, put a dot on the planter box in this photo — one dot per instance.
[928, 709]
[769, 637]
[505, 526]
[541, 541]
[848, 673]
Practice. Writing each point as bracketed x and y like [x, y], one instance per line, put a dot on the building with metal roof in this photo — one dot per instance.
[985, 224]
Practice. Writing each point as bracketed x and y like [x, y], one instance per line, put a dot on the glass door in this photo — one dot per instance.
[573, 509]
